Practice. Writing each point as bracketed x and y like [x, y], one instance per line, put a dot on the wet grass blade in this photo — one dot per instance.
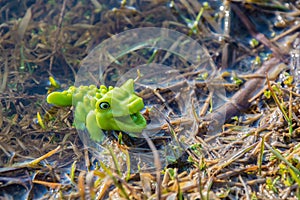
[113, 155]
[261, 155]
[48, 184]
[280, 157]
[286, 117]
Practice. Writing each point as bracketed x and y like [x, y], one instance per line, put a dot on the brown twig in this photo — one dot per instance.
[157, 165]
[58, 31]
[240, 100]
[259, 36]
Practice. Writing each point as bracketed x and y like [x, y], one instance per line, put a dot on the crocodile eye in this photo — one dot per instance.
[104, 105]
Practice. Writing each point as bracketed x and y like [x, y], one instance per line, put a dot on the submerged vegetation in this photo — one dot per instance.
[253, 152]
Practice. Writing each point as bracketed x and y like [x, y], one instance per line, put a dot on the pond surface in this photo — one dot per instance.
[188, 69]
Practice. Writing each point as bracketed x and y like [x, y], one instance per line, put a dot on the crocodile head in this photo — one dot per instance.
[119, 109]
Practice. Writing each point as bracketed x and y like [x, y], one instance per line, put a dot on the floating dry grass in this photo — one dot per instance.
[255, 156]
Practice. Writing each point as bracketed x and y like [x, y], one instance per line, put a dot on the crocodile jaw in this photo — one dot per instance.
[133, 123]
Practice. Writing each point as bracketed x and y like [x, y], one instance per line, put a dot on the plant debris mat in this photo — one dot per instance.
[254, 46]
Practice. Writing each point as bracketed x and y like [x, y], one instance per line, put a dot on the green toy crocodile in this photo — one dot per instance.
[103, 108]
